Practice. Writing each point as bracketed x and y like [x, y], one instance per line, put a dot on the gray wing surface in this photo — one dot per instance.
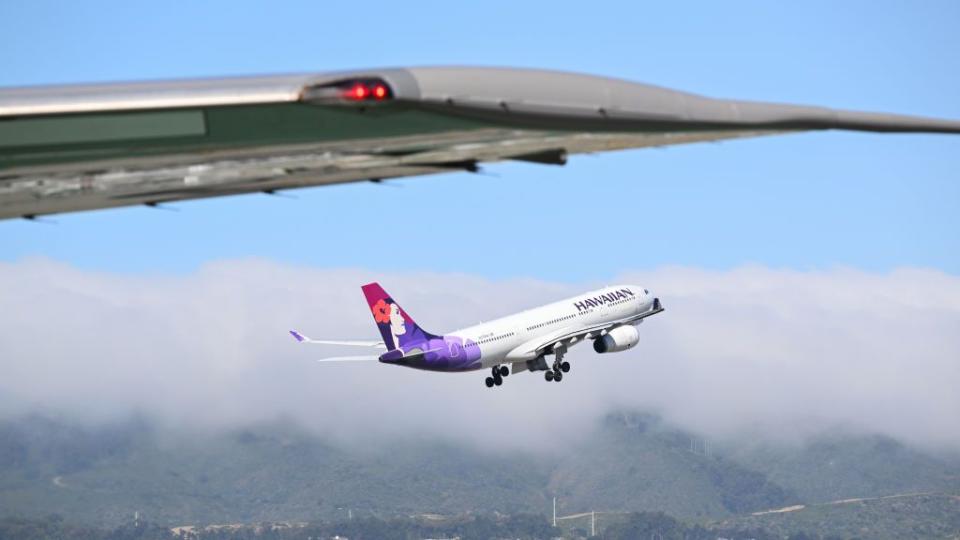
[69, 148]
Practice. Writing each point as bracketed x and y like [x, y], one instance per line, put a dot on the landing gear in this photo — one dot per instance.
[559, 366]
[497, 375]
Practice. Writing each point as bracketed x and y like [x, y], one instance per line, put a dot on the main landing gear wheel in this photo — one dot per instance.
[497, 374]
[558, 376]
[559, 367]
[548, 376]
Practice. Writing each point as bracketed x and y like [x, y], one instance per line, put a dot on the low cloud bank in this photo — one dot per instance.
[754, 352]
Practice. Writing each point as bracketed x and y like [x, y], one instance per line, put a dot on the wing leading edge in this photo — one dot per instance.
[74, 148]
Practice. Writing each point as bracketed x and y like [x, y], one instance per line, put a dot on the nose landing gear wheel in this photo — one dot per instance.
[548, 376]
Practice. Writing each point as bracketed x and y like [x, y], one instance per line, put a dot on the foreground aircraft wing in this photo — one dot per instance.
[69, 148]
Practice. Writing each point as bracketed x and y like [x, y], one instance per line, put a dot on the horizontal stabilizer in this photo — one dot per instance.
[304, 339]
[349, 359]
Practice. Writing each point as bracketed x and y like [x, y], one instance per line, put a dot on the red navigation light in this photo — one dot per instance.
[358, 92]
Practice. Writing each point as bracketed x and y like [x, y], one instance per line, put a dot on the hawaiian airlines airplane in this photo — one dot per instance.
[608, 316]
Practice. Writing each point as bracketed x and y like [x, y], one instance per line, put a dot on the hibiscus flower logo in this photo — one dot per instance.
[381, 311]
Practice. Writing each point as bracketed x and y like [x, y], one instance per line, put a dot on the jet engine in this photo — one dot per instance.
[619, 339]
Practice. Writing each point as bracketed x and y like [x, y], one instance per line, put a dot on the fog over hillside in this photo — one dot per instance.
[754, 352]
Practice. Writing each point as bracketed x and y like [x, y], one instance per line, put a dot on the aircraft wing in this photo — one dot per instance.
[69, 148]
[567, 337]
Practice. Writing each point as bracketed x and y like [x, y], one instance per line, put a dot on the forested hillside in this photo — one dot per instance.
[632, 463]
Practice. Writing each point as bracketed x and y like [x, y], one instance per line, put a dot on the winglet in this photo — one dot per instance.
[298, 336]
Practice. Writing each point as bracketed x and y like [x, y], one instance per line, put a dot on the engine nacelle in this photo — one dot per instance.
[619, 339]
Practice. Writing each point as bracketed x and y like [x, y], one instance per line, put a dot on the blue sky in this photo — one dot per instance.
[817, 200]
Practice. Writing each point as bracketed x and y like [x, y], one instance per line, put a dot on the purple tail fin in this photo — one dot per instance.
[398, 330]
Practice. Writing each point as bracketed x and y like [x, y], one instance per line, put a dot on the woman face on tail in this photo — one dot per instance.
[396, 321]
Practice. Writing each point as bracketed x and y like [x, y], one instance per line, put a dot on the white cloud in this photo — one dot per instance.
[756, 351]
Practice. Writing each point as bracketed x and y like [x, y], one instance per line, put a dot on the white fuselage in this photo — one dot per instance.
[515, 338]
